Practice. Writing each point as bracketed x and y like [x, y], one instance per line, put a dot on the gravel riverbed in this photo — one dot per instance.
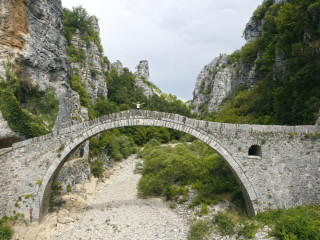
[111, 209]
[116, 212]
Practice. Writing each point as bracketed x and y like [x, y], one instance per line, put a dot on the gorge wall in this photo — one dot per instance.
[31, 37]
[222, 77]
[37, 51]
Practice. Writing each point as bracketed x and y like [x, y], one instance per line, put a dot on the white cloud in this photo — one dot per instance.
[177, 37]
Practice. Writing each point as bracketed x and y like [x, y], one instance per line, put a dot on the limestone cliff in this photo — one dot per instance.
[213, 84]
[91, 69]
[31, 37]
[222, 77]
[142, 79]
[118, 66]
[142, 76]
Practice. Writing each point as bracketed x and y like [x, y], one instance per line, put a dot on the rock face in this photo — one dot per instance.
[142, 78]
[213, 85]
[77, 169]
[32, 38]
[91, 72]
[118, 67]
[7, 136]
[252, 30]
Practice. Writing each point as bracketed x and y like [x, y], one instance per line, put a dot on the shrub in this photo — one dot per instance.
[5, 232]
[76, 55]
[69, 189]
[77, 86]
[225, 223]
[96, 168]
[262, 9]
[249, 52]
[94, 72]
[77, 18]
[150, 185]
[19, 119]
[296, 223]
[204, 209]
[171, 192]
[199, 229]
[248, 229]
[17, 101]
[167, 170]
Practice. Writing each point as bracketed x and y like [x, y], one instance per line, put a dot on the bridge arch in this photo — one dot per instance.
[132, 119]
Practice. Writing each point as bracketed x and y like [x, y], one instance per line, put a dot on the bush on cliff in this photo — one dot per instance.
[74, 19]
[27, 109]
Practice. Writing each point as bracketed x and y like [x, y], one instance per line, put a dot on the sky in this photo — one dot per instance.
[177, 37]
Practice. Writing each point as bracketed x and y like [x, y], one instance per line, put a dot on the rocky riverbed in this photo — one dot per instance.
[112, 211]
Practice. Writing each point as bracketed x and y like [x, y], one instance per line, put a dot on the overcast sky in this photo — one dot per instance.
[177, 37]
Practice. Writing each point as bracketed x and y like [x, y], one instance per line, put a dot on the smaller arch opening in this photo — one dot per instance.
[255, 150]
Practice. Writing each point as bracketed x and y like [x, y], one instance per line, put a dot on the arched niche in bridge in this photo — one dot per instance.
[255, 150]
[45, 191]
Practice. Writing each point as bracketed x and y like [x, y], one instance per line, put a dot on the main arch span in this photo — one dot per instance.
[276, 166]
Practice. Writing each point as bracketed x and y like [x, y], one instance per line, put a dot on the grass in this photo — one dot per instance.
[301, 222]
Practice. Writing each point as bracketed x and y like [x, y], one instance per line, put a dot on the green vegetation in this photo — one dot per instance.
[28, 110]
[5, 230]
[114, 144]
[96, 168]
[198, 229]
[77, 86]
[225, 222]
[314, 136]
[302, 222]
[260, 12]
[168, 170]
[122, 92]
[76, 55]
[56, 191]
[121, 89]
[296, 223]
[61, 148]
[287, 94]
[79, 19]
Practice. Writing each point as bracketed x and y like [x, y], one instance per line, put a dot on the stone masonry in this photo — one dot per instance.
[276, 166]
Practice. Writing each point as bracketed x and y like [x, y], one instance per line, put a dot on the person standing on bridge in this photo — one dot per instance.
[138, 105]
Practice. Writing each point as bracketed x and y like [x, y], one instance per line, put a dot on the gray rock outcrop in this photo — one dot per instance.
[211, 89]
[142, 79]
[31, 37]
[91, 71]
[213, 84]
[7, 136]
[253, 30]
[118, 67]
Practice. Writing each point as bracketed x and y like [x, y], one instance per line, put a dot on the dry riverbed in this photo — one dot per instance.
[110, 209]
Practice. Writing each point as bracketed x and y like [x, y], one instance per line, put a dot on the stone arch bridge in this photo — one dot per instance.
[276, 166]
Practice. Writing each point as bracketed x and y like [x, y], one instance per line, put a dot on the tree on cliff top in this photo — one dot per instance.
[74, 19]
